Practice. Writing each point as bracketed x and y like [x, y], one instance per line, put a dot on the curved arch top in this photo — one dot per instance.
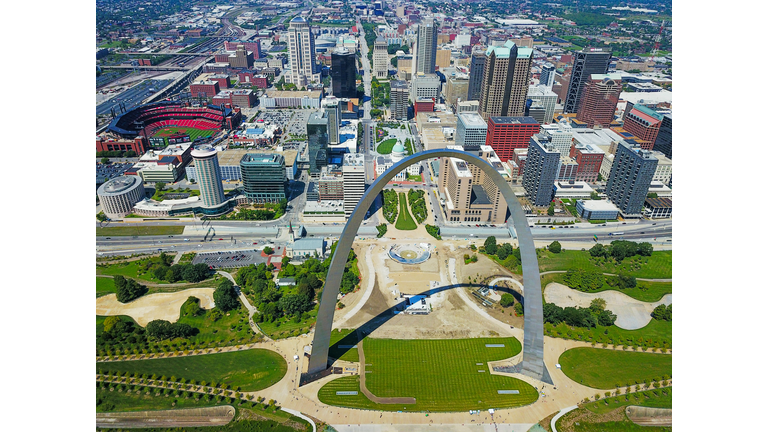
[533, 341]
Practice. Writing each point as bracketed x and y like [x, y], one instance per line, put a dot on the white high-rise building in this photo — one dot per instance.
[380, 58]
[546, 98]
[560, 136]
[333, 109]
[301, 50]
[426, 47]
[208, 176]
[471, 131]
[353, 173]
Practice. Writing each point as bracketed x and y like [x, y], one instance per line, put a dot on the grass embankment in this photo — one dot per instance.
[251, 370]
[648, 398]
[404, 219]
[443, 376]
[657, 266]
[344, 337]
[249, 417]
[386, 146]
[128, 231]
[604, 369]
[644, 291]
[285, 327]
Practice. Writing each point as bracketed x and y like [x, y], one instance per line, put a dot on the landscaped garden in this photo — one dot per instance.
[442, 375]
[123, 231]
[386, 146]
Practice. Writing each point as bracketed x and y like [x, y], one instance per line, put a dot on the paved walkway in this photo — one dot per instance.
[368, 289]
[562, 412]
[251, 309]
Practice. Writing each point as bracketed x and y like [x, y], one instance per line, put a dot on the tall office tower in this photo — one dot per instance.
[599, 99]
[333, 112]
[505, 80]
[471, 131]
[470, 195]
[541, 169]
[398, 100]
[536, 111]
[455, 90]
[585, 63]
[642, 122]
[663, 141]
[343, 73]
[631, 174]
[560, 136]
[241, 58]
[353, 173]
[208, 176]
[547, 77]
[546, 98]
[589, 158]
[380, 58]
[317, 137]
[505, 134]
[301, 50]
[425, 86]
[426, 46]
[264, 177]
[476, 71]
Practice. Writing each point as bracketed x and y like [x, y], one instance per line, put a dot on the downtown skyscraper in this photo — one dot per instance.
[505, 80]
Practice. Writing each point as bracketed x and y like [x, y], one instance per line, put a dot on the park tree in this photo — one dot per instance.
[225, 296]
[555, 247]
[268, 250]
[490, 245]
[128, 289]
[606, 318]
[644, 249]
[551, 209]
[110, 322]
[159, 186]
[598, 250]
[105, 160]
[507, 300]
[594, 196]
[597, 305]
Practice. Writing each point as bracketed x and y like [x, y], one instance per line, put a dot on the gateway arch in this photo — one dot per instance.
[533, 341]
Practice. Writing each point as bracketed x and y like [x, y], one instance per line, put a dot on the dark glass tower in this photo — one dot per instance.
[343, 73]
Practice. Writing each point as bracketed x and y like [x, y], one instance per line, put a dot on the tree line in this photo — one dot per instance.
[620, 249]
[391, 205]
[418, 205]
[579, 317]
[505, 252]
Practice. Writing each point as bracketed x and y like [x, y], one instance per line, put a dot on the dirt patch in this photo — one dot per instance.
[165, 306]
[647, 416]
[213, 416]
[581, 415]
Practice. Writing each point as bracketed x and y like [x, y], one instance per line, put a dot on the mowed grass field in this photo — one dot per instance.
[404, 219]
[192, 132]
[138, 231]
[251, 370]
[658, 265]
[441, 374]
[344, 337]
[104, 286]
[603, 369]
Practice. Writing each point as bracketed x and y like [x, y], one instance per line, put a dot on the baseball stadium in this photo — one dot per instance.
[173, 118]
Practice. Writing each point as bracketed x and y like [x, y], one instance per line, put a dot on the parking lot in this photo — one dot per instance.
[229, 259]
[106, 172]
[298, 124]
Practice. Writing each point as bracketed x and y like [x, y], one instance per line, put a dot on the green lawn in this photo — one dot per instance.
[441, 374]
[104, 286]
[404, 219]
[603, 369]
[123, 401]
[128, 269]
[386, 146]
[138, 231]
[285, 327]
[251, 370]
[644, 291]
[344, 337]
[657, 266]
[656, 333]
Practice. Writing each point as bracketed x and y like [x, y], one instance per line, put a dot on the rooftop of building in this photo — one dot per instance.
[234, 156]
[603, 77]
[203, 152]
[649, 114]
[513, 120]
[261, 158]
[460, 167]
[658, 202]
[118, 184]
[598, 205]
[472, 119]
[478, 197]
[293, 94]
[354, 159]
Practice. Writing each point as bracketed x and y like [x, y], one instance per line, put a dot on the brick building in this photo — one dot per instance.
[505, 134]
[423, 105]
[139, 144]
[599, 99]
[589, 158]
[643, 122]
[208, 88]
[222, 79]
